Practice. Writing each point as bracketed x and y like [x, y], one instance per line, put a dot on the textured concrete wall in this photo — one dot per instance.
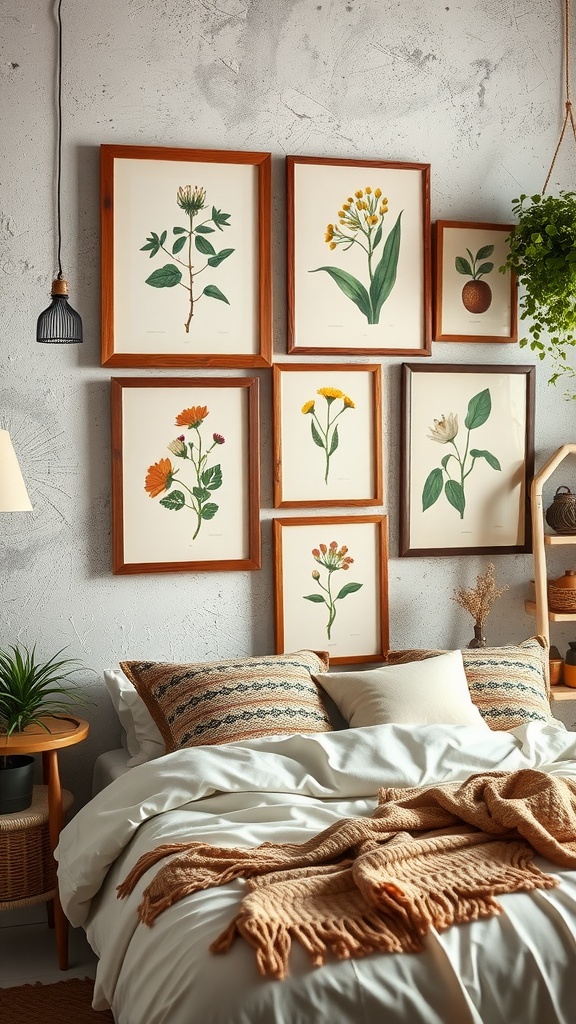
[474, 87]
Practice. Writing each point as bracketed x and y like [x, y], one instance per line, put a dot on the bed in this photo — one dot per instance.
[286, 787]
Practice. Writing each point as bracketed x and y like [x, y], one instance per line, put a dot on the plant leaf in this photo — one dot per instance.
[490, 459]
[315, 598]
[352, 288]
[350, 588]
[462, 266]
[220, 219]
[334, 442]
[315, 435]
[204, 246]
[201, 494]
[212, 478]
[180, 231]
[205, 229]
[174, 501]
[165, 277]
[484, 252]
[432, 488]
[479, 409]
[384, 277]
[163, 237]
[455, 494]
[209, 510]
[447, 458]
[484, 268]
[179, 244]
[216, 260]
[214, 293]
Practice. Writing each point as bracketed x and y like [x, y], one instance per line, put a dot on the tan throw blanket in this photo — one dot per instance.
[426, 858]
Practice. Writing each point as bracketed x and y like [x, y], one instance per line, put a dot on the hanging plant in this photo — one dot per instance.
[543, 255]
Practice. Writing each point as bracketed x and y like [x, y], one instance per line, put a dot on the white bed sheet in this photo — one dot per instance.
[518, 968]
[109, 766]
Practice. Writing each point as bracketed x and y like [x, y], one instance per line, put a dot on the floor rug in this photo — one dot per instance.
[66, 1002]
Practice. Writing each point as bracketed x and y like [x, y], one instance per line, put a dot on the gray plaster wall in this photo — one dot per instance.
[474, 87]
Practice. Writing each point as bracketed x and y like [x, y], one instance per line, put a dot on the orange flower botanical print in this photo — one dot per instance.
[332, 558]
[192, 417]
[159, 477]
[204, 479]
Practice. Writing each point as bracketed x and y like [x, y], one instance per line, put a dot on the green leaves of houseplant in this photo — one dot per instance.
[543, 255]
[32, 690]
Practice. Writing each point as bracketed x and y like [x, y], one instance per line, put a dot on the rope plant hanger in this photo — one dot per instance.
[543, 255]
[59, 324]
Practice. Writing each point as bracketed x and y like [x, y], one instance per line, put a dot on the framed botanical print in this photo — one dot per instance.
[331, 586]
[185, 474]
[467, 459]
[327, 434]
[358, 257]
[473, 300]
[185, 257]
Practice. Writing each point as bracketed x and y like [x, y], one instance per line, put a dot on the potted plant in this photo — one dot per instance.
[30, 692]
[543, 255]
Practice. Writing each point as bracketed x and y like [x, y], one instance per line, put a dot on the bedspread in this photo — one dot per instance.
[514, 968]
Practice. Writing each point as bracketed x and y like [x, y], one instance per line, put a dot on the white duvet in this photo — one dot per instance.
[518, 968]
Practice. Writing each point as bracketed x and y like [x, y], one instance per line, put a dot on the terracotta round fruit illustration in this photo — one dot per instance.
[477, 296]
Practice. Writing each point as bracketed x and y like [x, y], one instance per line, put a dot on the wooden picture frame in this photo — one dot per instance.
[310, 610]
[467, 459]
[156, 227]
[359, 260]
[327, 449]
[473, 301]
[185, 494]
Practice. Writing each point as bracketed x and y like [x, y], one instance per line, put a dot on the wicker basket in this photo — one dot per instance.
[561, 599]
[27, 867]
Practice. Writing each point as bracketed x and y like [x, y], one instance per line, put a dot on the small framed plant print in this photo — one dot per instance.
[473, 300]
[467, 459]
[331, 586]
[359, 268]
[185, 474]
[185, 257]
[327, 434]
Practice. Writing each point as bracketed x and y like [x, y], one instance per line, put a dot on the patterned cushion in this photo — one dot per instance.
[233, 700]
[507, 684]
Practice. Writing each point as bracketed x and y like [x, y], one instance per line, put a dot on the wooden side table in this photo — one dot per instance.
[63, 731]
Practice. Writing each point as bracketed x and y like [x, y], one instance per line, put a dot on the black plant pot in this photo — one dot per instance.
[16, 782]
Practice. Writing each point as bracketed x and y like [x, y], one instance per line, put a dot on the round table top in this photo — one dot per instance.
[58, 731]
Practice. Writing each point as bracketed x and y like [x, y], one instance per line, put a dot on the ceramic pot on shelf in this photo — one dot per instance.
[562, 593]
[570, 665]
[561, 514]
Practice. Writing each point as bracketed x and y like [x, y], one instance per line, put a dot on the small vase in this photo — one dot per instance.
[479, 640]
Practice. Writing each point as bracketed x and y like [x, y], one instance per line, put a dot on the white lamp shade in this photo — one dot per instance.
[13, 493]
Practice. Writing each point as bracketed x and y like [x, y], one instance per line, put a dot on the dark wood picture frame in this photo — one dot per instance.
[434, 503]
[356, 307]
[133, 316]
[181, 406]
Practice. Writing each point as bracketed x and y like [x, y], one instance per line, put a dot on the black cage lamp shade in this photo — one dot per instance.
[59, 324]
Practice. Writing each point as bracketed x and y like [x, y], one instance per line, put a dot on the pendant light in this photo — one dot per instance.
[59, 324]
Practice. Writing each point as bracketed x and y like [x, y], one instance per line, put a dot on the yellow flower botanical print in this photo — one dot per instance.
[325, 435]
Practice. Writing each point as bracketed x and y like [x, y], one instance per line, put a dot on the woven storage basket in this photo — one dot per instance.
[27, 867]
[561, 599]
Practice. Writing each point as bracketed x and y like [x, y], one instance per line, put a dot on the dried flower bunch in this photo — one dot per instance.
[478, 600]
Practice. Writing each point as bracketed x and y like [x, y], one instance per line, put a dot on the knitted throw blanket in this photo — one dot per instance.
[426, 858]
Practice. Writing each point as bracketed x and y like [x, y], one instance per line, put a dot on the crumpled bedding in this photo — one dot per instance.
[517, 967]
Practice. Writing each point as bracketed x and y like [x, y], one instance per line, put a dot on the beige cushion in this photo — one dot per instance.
[427, 693]
[507, 684]
[232, 700]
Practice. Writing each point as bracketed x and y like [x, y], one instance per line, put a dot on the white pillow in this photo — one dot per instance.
[431, 692]
[143, 737]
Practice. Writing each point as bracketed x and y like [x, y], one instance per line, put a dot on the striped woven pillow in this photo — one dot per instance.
[507, 684]
[232, 700]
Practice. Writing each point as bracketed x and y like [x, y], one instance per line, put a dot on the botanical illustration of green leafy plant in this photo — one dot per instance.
[443, 432]
[332, 558]
[205, 480]
[326, 437]
[192, 201]
[476, 294]
[361, 223]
